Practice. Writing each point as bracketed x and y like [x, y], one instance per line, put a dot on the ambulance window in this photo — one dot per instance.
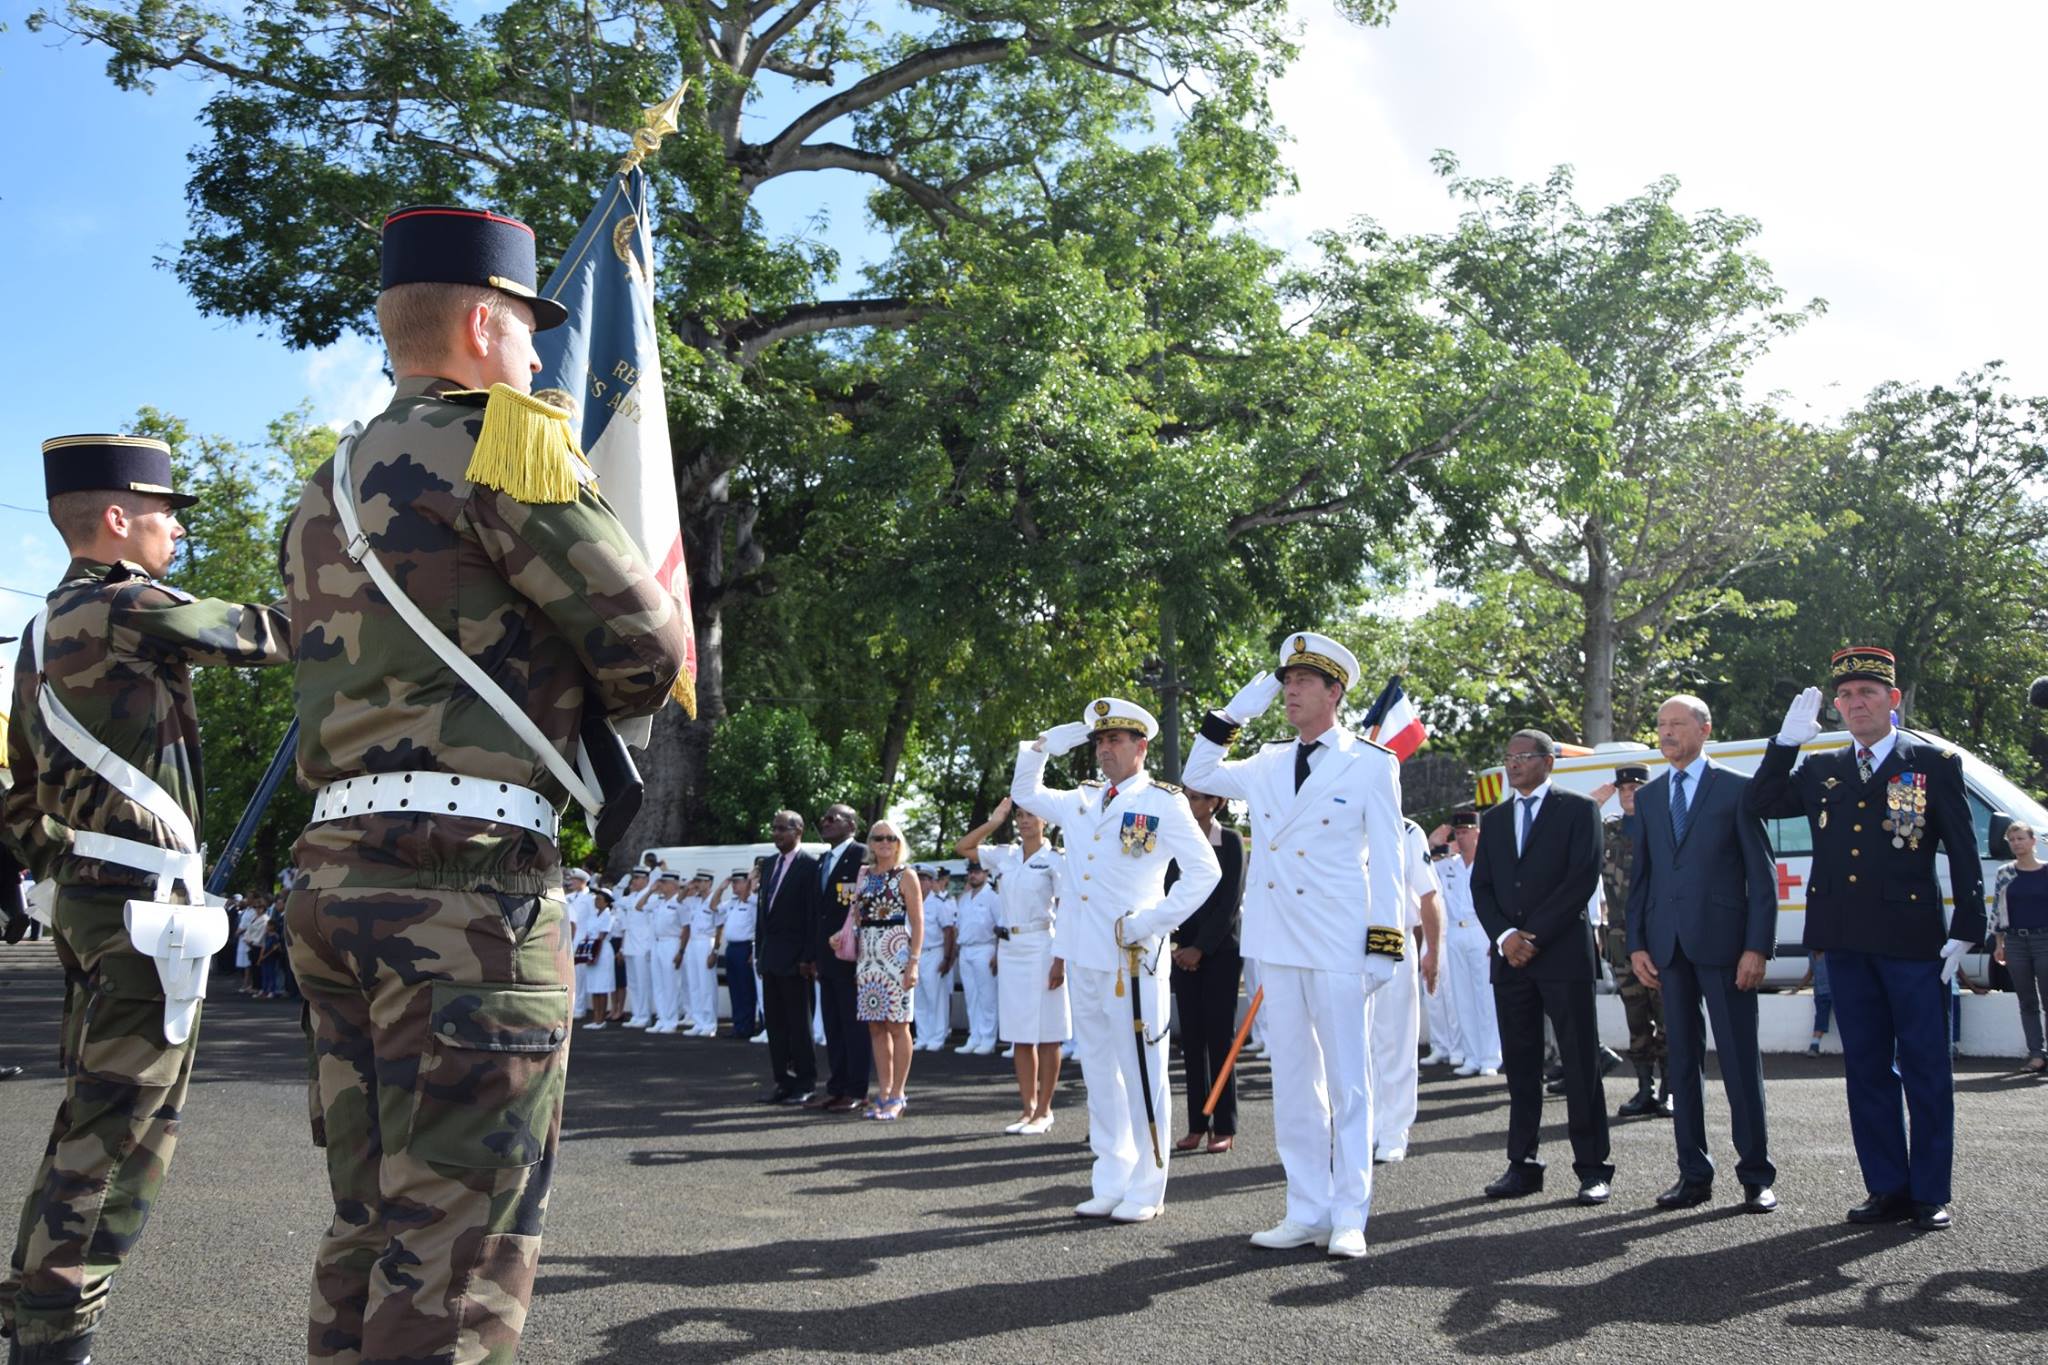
[1980, 820]
[1790, 838]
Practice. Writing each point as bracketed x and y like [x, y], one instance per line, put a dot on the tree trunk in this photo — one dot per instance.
[894, 739]
[1599, 639]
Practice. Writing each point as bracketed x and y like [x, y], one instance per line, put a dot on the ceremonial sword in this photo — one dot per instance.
[1136, 953]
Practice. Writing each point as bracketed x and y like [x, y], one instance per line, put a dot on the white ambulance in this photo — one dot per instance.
[1993, 798]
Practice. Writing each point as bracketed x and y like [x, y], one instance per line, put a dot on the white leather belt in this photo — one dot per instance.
[1044, 926]
[438, 794]
[132, 853]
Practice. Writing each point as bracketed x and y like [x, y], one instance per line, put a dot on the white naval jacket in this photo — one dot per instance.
[1326, 860]
[1108, 883]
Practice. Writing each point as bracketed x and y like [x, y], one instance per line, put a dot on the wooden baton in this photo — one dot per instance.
[1244, 1031]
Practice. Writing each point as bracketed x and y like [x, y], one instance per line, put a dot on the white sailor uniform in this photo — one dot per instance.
[1028, 891]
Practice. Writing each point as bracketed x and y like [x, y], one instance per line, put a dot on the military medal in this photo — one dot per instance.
[1905, 796]
[1140, 833]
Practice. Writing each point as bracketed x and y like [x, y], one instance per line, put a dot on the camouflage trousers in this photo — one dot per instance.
[437, 1028]
[124, 1088]
[1644, 1009]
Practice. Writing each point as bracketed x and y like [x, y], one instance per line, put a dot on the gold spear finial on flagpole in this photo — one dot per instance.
[658, 123]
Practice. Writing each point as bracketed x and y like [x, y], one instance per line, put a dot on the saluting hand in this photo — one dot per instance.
[1253, 698]
[1802, 718]
[1062, 738]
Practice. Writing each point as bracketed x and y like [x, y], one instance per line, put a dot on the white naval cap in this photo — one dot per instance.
[579, 874]
[1306, 649]
[1114, 713]
[703, 874]
[668, 876]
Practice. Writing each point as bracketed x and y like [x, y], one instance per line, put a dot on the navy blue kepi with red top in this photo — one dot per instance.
[438, 244]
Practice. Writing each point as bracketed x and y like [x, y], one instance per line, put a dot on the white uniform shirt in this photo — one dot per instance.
[940, 914]
[704, 921]
[636, 923]
[1117, 859]
[1326, 860]
[979, 913]
[1029, 887]
[667, 915]
[739, 919]
[1416, 868]
[1455, 878]
[595, 924]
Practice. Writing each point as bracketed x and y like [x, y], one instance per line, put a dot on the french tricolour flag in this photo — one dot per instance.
[1394, 722]
[607, 358]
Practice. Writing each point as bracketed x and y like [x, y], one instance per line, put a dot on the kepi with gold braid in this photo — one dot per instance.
[1306, 649]
[444, 244]
[1863, 661]
[109, 463]
[526, 449]
[1114, 713]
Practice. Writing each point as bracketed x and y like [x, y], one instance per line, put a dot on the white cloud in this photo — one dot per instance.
[1889, 159]
[346, 382]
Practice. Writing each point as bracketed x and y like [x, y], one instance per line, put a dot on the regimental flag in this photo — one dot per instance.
[1393, 721]
[606, 360]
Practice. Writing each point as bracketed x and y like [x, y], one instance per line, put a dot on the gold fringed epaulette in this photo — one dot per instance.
[1386, 942]
[685, 693]
[525, 450]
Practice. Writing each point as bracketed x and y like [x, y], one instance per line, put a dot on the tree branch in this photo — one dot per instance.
[809, 319]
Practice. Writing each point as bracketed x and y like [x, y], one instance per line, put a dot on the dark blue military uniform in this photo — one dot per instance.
[1874, 906]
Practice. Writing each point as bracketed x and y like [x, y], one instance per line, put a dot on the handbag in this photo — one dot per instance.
[846, 943]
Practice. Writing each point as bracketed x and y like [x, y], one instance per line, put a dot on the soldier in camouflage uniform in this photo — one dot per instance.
[431, 946]
[118, 650]
[1643, 1006]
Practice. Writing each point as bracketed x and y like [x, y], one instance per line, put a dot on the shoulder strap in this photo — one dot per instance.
[358, 549]
[124, 776]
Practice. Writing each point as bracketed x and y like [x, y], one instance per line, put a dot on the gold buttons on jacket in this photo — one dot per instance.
[1852, 877]
[1856, 829]
[1855, 853]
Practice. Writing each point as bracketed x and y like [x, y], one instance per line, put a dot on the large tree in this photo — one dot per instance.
[967, 120]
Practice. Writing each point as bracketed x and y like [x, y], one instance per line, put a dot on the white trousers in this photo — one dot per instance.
[1396, 1030]
[640, 983]
[1317, 1024]
[700, 981]
[667, 983]
[1441, 1006]
[980, 985]
[1125, 1168]
[932, 1013]
[1466, 959]
[1257, 1037]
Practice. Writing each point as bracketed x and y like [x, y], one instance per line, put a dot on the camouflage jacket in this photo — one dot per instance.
[551, 599]
[121, 646]
[1614, 880]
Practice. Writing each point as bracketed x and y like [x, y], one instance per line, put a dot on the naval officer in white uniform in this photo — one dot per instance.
[1468, 951]
[1325, 910]
[1121, 834]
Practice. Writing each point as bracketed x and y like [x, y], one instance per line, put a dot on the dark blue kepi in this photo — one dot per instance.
[440, 244]
[106, 463]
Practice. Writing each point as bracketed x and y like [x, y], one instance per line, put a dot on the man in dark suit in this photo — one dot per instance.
[1537, 867]
[1874, 906]
[784, 934]
[1702, 922]
[847, 1052]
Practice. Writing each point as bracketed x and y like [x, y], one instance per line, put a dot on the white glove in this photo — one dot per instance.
[1379, 970]
[1061, 738]
[1802, 718]
[1952, 958]
[1253, 698]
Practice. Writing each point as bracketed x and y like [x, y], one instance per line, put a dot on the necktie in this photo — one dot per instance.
[1108, 797]
[1678, 809]
[825, 868]
[1863, 757]
[775, 882]
[1528, 818]
[1301, 753]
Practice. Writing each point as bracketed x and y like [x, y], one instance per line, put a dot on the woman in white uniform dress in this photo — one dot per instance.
[1031, 982]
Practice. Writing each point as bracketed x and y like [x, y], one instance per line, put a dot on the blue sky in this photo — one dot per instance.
[1891, 155]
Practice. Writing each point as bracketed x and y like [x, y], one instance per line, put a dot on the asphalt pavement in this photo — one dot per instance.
[691, 1224]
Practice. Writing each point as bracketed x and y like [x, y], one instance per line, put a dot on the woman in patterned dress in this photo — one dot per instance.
[891, 917]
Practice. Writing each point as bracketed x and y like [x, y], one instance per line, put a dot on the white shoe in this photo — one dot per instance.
[985, 1050]
[1389, 1156]
[661, 1028]
[1016, 1127]
[1134, 1213]
[1434, 1058]
[1009, 1053]
[1459, 1061]
[636, 1023]
[760, 1037]
[1489, 1071]
[1287, 1234]
[1466, 1070]
[817, 1040]
[964, 1050]
[1043, 1125]
[1101, 1206]
[707, 1033]
[595, 1023]
[1348, 1243]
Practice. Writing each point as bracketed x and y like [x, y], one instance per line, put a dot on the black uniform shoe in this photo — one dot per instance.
[1645, 1098]
[798, 1097]
[8, 1073]
[70, 1351]
[777, 1096]
[1522, 1178]
[1594, 1191]
[1930, 1217]
[1882, 1208]
[1553, 1072]
[1686, 1193]
[1555, 1087]
[1758, 1199]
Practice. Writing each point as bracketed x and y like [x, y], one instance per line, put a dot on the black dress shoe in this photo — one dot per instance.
[1637, 1105]
[1521, 1179]
[1555, 1087]
[1882, 1208]
[1594, 1191]
[798, 1098]
[776, 1096]
[1930, 1217]
[1685, 1194]
[1758, 1199]
[8, 1073]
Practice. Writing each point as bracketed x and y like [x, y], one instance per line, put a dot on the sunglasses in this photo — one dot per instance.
[883, 839]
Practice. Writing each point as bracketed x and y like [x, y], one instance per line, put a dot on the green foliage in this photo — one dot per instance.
[230, 552]
[768, 758]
